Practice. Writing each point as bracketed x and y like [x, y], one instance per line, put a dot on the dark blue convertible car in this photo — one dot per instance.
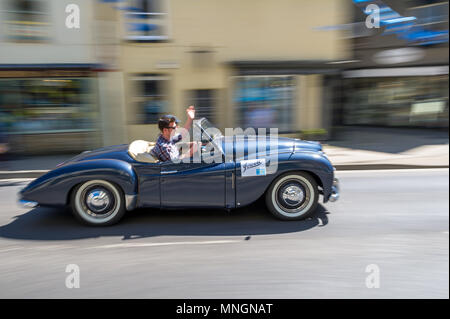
[101, 185]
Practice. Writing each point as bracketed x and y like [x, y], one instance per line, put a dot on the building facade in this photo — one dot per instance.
[48, 77]
[241, 63]
[251, 63]
[399, 74]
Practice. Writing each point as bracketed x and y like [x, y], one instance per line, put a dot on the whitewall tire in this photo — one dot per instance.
[293, 196]
[98, 203]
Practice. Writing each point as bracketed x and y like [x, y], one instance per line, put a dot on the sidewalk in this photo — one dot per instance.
[383, 148]
[352, 149]
[427, 156]
[30, 166]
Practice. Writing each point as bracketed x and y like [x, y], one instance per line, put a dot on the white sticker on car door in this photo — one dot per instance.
[256, 167]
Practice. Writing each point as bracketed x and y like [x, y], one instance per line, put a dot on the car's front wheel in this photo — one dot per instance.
[293, 196]
[98, 203]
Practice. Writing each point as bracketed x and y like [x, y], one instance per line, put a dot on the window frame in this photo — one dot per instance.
[139, 96]
[162, 14]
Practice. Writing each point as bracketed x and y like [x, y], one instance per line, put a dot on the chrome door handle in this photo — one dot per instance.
[169, 172]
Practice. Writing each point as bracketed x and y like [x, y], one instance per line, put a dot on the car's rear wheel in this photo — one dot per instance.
[98, 203]
[293, 196]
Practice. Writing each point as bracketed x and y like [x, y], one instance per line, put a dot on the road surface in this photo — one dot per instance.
[389, 231]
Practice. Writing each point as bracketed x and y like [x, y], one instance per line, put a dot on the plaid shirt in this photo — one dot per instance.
[166, 150]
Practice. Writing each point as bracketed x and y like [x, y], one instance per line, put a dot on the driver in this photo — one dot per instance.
[165, 148]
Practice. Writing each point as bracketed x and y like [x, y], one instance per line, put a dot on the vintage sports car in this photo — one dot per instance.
[101, 185]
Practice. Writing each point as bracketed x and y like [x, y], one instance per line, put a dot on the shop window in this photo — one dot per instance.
[403, 101]
[151, 98]
[146, 20]
[26, 20]
[265, 102]
[47, 105]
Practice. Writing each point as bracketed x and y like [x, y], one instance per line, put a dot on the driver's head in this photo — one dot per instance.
[167, 124]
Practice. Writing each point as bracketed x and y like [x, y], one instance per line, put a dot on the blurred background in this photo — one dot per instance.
[310, 68]
[377, 98]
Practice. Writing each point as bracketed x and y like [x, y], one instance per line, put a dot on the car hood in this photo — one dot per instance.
[301, 145]
[109, 152]
[251, 144]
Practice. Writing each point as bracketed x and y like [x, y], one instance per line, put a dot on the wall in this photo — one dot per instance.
[64, 45]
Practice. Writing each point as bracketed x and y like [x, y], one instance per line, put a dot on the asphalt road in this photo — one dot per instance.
[396, 221]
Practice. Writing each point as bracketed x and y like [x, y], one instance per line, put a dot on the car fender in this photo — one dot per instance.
[249, 189]
[53, 188]
[317, 164]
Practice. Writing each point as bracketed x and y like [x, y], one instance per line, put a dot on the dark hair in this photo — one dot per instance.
[165, 120]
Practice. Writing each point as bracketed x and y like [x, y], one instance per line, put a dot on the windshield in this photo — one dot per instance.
[207, 128]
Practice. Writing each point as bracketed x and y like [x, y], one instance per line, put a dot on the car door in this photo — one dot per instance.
[186, 185]
[149, 184]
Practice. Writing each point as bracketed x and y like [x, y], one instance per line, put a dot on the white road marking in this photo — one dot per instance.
[53, 247]
[11, 249]
[49, 247]
[125, 245]
[136, 245]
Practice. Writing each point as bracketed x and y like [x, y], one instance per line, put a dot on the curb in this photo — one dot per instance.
[343, 167]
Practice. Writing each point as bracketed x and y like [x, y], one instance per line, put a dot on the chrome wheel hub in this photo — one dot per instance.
[97, 200]
[293, 195]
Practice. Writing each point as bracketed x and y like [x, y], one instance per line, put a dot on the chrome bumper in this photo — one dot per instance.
[28, 204]
[334, 191]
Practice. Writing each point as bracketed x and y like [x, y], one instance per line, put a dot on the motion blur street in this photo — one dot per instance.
[395, 219]
[368, 79]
